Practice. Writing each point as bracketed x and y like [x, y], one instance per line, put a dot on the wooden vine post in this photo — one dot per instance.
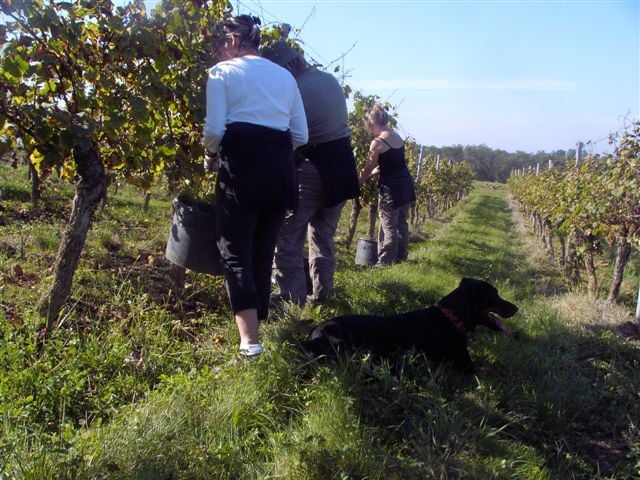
[638, 308]
[419, 169]
[579, 157]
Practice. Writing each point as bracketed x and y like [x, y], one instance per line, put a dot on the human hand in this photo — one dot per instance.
[211, 162]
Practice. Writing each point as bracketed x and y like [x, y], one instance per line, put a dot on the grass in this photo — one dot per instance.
[141, 380]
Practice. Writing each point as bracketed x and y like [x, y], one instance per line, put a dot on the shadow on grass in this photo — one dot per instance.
[571, 393]
[390, 297]
[559, 401]
[496, 261]
[147, 281]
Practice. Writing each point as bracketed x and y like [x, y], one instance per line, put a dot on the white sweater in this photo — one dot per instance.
[253, 90]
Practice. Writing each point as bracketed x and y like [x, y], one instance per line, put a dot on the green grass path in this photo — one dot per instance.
[477, 240]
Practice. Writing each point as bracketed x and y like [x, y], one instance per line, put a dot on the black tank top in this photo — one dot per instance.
[395, 176]
[391, 161]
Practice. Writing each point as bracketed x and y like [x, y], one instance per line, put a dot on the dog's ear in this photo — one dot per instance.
[468, 285]
[477, 288]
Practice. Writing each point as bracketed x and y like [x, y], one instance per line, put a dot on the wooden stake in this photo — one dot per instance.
[579, 146]
[638, 308]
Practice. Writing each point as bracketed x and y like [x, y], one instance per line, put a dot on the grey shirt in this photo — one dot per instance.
[324, 105]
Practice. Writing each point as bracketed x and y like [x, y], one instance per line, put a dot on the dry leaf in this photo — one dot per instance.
[134, 359]
[17, 271]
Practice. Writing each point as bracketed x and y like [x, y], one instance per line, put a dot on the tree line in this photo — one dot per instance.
[495, 165]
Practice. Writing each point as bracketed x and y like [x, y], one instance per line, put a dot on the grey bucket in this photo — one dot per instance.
[366, 252]
[192, 240]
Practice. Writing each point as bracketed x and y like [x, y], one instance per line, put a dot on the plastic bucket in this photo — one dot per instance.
[366, 252]
[192, 239]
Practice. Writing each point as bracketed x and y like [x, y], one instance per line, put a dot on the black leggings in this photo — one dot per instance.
[247, 240]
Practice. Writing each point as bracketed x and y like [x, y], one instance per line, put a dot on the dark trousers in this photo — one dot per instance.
[247, 240]
[393, 234]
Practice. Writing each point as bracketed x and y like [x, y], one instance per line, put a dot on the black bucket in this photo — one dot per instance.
[192, 240]
[366, 252]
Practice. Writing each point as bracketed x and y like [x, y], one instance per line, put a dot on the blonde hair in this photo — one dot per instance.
[377, 116]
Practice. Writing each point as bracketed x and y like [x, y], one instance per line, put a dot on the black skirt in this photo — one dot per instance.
[400, 186]
[257, 167]
[336, 165]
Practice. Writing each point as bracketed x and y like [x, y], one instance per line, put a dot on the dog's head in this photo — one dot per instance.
[485, 306]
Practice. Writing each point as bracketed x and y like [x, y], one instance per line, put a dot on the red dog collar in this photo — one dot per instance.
[453, 319]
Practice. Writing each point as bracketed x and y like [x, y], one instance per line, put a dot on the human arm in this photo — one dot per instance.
[298, 122]
[216, 111]
[211, 161]
[372, 162]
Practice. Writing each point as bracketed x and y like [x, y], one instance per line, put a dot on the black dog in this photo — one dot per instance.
[440, 331]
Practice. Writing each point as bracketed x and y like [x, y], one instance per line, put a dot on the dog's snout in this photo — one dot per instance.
[507, 309]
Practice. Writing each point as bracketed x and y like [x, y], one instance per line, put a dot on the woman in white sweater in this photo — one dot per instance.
[254, 120]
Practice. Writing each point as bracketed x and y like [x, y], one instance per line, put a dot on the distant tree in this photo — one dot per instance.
[455, 153]
[482, 159]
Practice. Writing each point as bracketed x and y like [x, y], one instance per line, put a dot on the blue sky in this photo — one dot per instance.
[515, 75]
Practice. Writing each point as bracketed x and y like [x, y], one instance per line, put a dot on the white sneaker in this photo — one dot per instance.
[251, 349]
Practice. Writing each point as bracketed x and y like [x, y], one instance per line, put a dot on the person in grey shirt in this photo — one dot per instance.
[327, 177]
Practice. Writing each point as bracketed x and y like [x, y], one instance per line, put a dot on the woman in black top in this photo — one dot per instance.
[386, 157]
